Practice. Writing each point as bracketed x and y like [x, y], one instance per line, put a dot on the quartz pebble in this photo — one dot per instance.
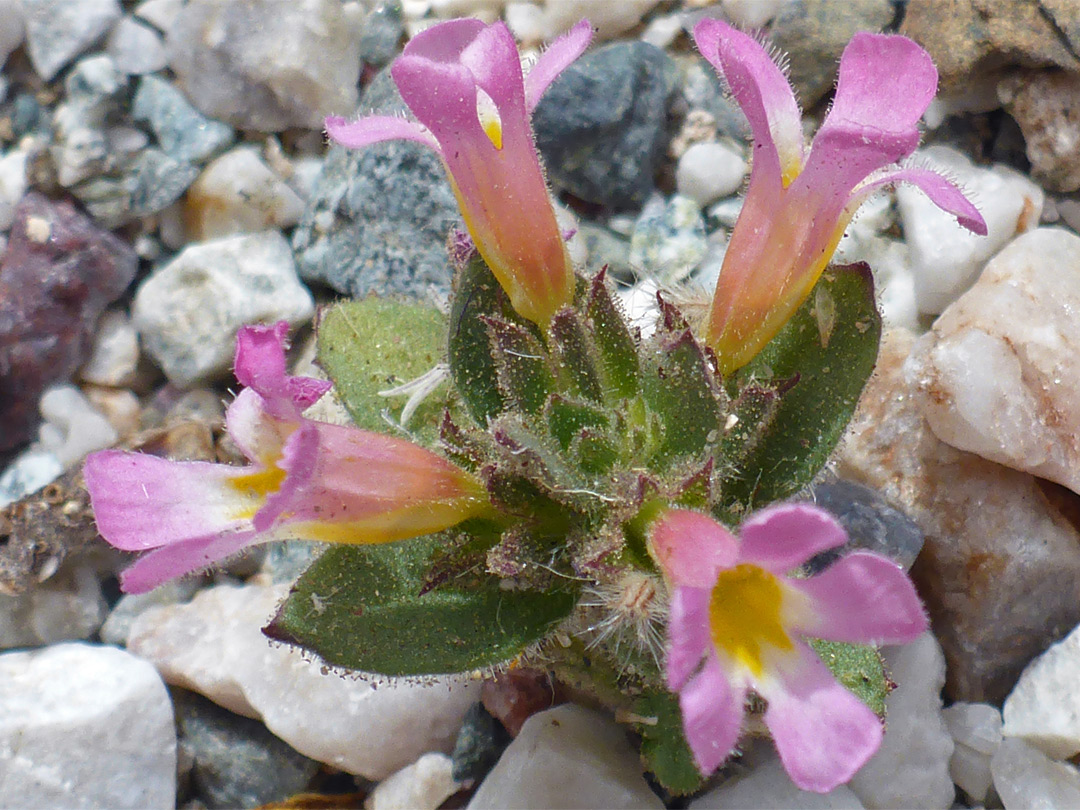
[567, 757]
[1026, 779]
[136, 48]
[976, 733]
[266, 66]
[30, 471]
[159, 13]
[668, 240]
[73, 427]
[708, 171]
[998, 373]
[424, 785]
[1045, 104]
[11, 28]
[188, 312]
[945, 257]
[238, 193]
[85, 726]
[911, 768]
[68, 606]
[59, 30]
[116, 628]
[12, 184]
[1000, 568]
[768, 787]
[58, 274]
[1044, 707]
[749, 14]
[114, 355]
[214, 645]
[541, 22]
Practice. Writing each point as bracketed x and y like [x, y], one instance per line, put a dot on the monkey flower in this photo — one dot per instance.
[463, 81]
[307, 480]
[799, 202]
[738, 622]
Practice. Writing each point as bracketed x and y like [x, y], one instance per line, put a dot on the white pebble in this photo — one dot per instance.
[136, 48]
[73, 427]
[568, 756]
[911, 768]
[1044, 706]
[752, 13]
[85, 726]
[768, 787]
[11, 27]
[12, 184]
[114, 355]
[976, 733]
[709, 171]
[424, 785]
[947, 258]
[30, 471]
[1026, 779]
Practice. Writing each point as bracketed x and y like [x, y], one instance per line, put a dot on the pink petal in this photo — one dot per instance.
[941, 192]
[445, 41]
[259, 435]
[442, 95]
[763, 93]
[783, 537]
[260, 364]
[178, 559]
[554, 60]
[687, 634]
[299, 459]
[823, 732]
[862, 598]
[712, 711]
[376, 128]
[885, 85]
[691, 548]
[142, 501]
[492, 58]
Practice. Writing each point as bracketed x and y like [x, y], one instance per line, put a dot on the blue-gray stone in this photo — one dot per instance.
[479, 744]
[602, 126]
[156, 180]
[383, 30]
[702, 88]
[237, 762]
[183, 132]
[871, 524]
[378, 218]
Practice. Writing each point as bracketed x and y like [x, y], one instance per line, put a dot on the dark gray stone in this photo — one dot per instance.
[603, 125]
[702, 88]
[870, 522]
[237, 762]
[378, 218]
[183, 132]
[813, 34]
[606, 249]
[383, 30]
[479, 744]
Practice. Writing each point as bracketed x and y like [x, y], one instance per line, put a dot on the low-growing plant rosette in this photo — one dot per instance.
[738, 622]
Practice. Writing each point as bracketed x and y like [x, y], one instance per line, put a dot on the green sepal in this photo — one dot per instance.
[664, 751]
[829, 349]
[615, 343]
[574, 355]
[476, 294]
[681, 388]
[859, 668]
[521, 365]
[359, 607]
[374, 344]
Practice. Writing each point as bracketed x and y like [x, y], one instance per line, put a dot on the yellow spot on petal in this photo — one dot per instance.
[744, 616]
[490, 120]
[256, 487]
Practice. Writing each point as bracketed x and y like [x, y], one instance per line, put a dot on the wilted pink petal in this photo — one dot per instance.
[862, 598]
[554, 60]
[712, 714]
[785, 536]
[941, 192]
[823, 733]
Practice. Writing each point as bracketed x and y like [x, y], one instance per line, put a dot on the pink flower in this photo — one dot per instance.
[307, 480]
[799, 202]
[463, 81]
[738, 623]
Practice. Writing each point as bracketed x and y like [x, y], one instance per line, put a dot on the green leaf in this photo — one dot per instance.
[521, 365]
[379, 343]
[359, 607]
[618, 350]
[575, 355]
[663, 746]
[476, 294]
[679, 387]
[567, 418]
[857, 667]
[829, 349]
